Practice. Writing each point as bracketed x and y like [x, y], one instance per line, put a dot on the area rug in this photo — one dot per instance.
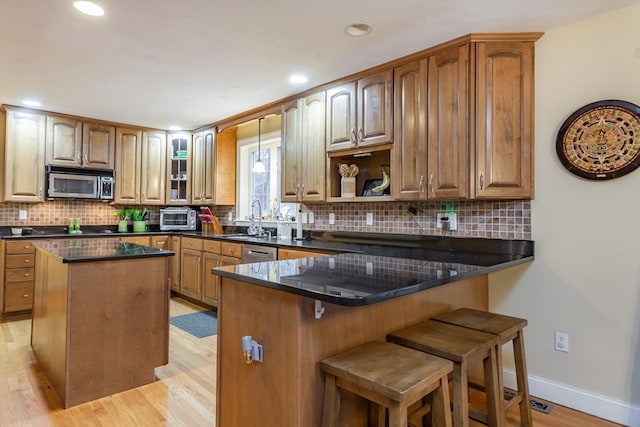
[201, 324]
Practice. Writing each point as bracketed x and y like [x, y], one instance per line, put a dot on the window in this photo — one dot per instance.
[264, 187]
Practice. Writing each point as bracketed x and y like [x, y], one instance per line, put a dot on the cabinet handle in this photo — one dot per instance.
[86, 158]
[431, 183]
[25, 296]
[420, 186]
[27, 246]
[303, 192]
[27, 261]
[481, 180]
[361, 134]
[353, 135]
[26, 274]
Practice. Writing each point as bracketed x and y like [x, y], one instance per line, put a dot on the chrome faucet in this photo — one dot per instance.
[253, 230]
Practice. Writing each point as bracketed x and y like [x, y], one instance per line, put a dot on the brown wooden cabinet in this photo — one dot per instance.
[139, 240]
[70, 142]
[127, 168]
[476, 102]
[98, 146]
[18, 260]
[360, 113]
[153, 167]
[504, 81]
[304, 156]
[179, 168]
[22, 148]
[286, 253]
[191, 267]
[203, 162]
[174, 266]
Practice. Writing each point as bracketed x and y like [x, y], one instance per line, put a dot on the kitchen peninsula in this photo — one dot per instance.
[100, 315]
[304, 310]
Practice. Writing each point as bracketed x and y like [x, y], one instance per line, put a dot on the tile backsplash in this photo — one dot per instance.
[490, 219]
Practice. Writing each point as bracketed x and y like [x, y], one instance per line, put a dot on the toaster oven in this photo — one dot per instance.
[177, 218]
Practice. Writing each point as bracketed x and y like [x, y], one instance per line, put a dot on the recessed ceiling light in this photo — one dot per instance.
[358, 30]
[89, 8]
[297, 78]
[175, 128]
[31, 103]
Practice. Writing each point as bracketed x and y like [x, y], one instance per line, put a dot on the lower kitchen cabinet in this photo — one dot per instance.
[18, 260]
[174, 265]
[140, 240]
[284, 253]
[191, 268]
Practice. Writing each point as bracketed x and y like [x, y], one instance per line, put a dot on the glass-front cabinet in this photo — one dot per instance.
[179, 168]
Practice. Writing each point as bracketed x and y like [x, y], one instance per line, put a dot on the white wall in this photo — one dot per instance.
[585, 279]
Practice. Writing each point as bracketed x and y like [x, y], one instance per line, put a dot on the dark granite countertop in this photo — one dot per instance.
[98, 249]
[381, 267]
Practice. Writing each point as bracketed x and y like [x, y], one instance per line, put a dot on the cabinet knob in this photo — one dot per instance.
[26, 274]
[27, 261]
[25, 296]
[27, 246]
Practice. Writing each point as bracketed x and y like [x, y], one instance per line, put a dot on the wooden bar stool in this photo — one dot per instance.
[389, 376]
[507, 329]
[462, 346]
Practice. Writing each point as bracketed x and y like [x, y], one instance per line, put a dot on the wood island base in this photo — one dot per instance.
[286, 389]
[99, 327]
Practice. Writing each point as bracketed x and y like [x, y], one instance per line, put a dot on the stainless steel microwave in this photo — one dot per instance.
[69, 183]
[177, 218]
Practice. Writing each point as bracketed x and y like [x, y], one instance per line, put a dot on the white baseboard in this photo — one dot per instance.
[598, 405]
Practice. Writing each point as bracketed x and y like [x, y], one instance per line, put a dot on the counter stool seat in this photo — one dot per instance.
[462, 346]
[507, 329]
[390, 376]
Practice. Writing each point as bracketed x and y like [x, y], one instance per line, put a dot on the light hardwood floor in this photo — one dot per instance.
[183, 396]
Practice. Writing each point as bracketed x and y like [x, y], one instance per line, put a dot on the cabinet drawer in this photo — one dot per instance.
[191, 243]
[21, 247]
[212, 246]
[19, 275]
[18, 296]
[231, 249]
[19, 261]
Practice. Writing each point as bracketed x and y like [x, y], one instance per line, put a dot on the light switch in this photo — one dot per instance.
[304, 217]
[22, 214]
[332, 218]
[312, 218]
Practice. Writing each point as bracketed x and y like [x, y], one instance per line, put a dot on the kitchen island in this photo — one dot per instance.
[100, 315]
[302, 311]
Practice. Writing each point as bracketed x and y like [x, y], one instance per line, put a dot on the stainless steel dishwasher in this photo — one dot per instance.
[257, 253]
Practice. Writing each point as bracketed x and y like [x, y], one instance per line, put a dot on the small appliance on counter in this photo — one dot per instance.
[177, 218]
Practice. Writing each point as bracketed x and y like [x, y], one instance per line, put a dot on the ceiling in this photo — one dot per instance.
[188, 63]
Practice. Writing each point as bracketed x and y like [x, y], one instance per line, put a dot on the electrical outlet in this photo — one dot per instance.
[22, 214]
[311, 218]
[562, 341]
[332, 218]
[446, 221]
[369, 218]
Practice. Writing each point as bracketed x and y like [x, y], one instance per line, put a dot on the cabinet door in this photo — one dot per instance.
[63, 142]
[203, 162]
[290, 149]
[410, 137]
[224, 169]
[139, 240]
[374, 108]
[24, 157]
[161, 242]
[448, 135]
[127, 171]
[210, 282]
[504, 120]
[341, 117]
[191, 277]
[98, 146]
[153, 178]
[197, 174]
[313, 150]
[179, 168]
[174, 268]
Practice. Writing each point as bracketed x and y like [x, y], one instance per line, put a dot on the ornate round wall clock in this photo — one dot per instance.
[601, 140]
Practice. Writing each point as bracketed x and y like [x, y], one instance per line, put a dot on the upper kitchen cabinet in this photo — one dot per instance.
[360, 113]
[127, 171]
[224, 168]
[73, 143]
[22, 155]
[153, 167]
[203, 161]
[179, 168]
[303, 148]
[448, 124]
[504, 119]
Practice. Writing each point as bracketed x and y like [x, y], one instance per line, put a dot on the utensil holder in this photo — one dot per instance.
[348, 187]
[139, 226]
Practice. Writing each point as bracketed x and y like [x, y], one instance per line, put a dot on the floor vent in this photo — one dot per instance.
[536, 404]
